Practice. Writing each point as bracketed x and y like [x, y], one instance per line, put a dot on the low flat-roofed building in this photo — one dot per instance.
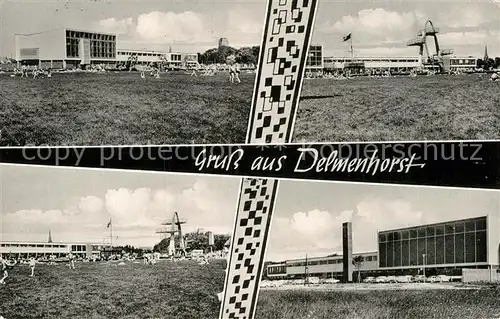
[374, 64]
[24, 250]
[175, 59]
[434, 249]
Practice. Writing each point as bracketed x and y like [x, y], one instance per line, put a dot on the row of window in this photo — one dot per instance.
[445, 249]
[73, 247]
[98, 49]
[330, 60]
[89, 35]
[437, 230]
[173, 57]
[327, 262]
[276, 270]
[34, 245]
[140, 53]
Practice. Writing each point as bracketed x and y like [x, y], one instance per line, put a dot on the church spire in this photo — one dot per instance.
[50, 236]
[486, 57]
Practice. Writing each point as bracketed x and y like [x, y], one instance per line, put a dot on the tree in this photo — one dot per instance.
[357, 262]
[224, 52]
[245, 55]
[194, 240]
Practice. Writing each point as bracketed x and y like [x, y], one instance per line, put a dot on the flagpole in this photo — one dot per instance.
[352, 52]
[111, 232]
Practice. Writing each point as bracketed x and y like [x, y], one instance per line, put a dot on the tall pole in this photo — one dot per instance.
[352, 51]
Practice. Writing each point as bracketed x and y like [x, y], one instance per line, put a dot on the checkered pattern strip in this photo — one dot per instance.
[287, 34]
[281, 68]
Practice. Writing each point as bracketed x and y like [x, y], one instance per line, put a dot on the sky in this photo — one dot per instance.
[76, 205]
[379, 28]
[309, 215]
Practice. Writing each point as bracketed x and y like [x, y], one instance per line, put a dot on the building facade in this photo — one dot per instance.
[223, 42]
[455, 244]
[314, 62]
[455, 64]
[434, 249]
[323, 267]
[377, 65]
[173, 59]
[372, 64]
[69, 49]
[65, 48]
[25, 250]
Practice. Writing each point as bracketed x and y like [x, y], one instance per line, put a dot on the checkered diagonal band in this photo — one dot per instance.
[287, 34]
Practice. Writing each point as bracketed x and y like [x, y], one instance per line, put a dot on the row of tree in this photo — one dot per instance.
[244, 55]
[195, 240]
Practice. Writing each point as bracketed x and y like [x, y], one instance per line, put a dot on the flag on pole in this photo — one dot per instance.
[347, 37]
[109, 224]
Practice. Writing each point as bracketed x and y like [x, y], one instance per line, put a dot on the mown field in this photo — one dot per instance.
[117, 109]
[401, 108]
[181, 290]
[376, 304]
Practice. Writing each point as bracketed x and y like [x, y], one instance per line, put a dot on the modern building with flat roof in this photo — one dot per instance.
[441, 248]
[468, 243]
[25, 250]
[175, 59]
[69, 48]
[395, 64]
[65, 48]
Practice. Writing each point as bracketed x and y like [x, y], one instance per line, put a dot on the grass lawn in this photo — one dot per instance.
[399, 108]
[117, 109]
[377, 304]
[181, 290]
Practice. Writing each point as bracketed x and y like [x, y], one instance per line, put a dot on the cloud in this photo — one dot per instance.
[319, 232]
[119, 27]
[241, 21]
[466, 38]
[129, 208]
[468, 16]
[136, 214]
[171, 27]
[91, 204]
[377, 24]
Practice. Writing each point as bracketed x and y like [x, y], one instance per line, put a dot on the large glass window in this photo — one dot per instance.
[447, 243]
[101, 46]
[405, 253]
[413, 252]
[390, 254]
[470, 247]
[315, 56]
[459, 248]
[481, 246]
[383, 254]
[421, 250]
[449, 247]
[397, 254]
[431, 251]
